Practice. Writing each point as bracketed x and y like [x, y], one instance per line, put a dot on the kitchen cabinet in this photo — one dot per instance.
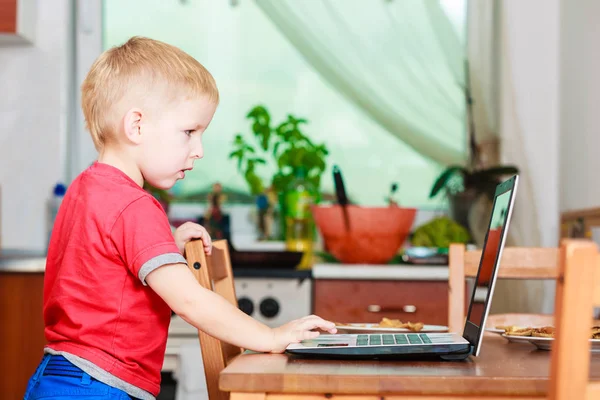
[17, 21]
[367, 293]
[21, 330]
[371, 300]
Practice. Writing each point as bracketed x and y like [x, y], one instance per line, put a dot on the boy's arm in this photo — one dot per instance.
[208, 311]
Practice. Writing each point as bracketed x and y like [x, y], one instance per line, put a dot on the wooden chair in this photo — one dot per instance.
[577, 293]
[214, 273]
[576, 268]
[516, 263]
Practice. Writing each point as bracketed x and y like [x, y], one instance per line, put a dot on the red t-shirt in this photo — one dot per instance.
[108, 235]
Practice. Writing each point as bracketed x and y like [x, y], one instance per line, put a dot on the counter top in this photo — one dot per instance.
[380, 272]
[35, 262]
[19, 261]
[22, 261]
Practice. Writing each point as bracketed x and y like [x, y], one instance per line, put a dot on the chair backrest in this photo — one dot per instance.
[214, 273]
[516, 263]
[576, 267]
[577, 293]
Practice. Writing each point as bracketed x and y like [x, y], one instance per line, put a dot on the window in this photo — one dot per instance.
[253, 63]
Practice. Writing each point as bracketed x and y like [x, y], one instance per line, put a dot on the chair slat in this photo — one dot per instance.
[570, 363]
[516, 263]
[593, 391]
[214, 273]
[519, 262]
[456, 288]
[596, 298]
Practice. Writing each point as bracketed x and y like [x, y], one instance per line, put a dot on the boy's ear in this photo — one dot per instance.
[132, 125]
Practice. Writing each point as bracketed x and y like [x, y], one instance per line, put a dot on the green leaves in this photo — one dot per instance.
[288, 146]
[486, 180]
[254, 181]
[261, 126]
[495, 172]
[241, 150]
[443, 179]
[483, 180]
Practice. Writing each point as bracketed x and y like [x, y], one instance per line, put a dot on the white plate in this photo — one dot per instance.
[516, 339]
[544, 343]
[375, 328]
[510, 338]
[495, 330]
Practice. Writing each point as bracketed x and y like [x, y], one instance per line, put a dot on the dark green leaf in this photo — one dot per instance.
[495, 172]
[257, 112]
[275, 148]
[236, 154]
[442, 180]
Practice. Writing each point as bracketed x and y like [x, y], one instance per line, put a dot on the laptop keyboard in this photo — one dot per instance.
[379, 340]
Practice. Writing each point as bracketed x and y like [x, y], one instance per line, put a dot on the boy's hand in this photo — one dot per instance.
[298, 330]
[190, 230]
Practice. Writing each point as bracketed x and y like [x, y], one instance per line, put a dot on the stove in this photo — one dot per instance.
[274, 301]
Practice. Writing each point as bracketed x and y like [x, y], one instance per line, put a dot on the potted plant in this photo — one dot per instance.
[285, 145]
[464, 184]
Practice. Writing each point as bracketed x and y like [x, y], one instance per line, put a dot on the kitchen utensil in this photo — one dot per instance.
[340, 192]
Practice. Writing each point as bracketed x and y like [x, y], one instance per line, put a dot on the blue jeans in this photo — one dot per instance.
[56, 378]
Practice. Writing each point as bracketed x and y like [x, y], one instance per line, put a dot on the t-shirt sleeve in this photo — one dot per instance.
[142, 237]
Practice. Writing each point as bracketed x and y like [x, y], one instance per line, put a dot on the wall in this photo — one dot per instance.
[580, 105]
[530, 114]
[529, 130]
[33, 123]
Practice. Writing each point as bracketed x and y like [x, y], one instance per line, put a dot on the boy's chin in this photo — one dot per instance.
[163, 185]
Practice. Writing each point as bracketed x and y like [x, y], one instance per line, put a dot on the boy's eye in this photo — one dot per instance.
[189, 132]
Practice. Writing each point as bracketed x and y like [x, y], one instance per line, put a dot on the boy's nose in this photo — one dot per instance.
[197, 152]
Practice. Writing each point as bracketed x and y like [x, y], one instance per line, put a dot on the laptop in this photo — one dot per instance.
[446, 346]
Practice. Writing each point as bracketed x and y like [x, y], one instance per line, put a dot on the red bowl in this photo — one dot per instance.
[375, 235]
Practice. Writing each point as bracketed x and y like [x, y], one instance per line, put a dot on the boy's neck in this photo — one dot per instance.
[124, 164]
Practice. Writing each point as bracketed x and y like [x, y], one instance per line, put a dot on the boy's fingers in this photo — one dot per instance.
[306, 334]
[320, 324]
[207, 241]
[197, 232]
[205, 235]
[310, 334]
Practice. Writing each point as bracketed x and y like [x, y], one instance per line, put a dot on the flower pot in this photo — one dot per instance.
[460, 205]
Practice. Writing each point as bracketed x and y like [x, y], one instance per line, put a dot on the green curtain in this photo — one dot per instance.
[401, 62]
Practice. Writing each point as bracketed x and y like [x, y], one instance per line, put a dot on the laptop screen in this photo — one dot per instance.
[490, 257]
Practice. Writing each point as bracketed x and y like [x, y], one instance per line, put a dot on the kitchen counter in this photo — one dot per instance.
[380, 272]
[35, 262]
[22, 333]
[22, 261]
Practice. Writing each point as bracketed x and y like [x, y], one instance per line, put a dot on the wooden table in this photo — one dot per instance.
[515, 370]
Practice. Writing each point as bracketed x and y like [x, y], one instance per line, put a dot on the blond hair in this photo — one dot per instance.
[139, 64]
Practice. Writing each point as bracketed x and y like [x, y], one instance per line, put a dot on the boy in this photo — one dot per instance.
[114, 270]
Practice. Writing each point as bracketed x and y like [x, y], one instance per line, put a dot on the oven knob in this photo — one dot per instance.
[269, 307]
[246, 305]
